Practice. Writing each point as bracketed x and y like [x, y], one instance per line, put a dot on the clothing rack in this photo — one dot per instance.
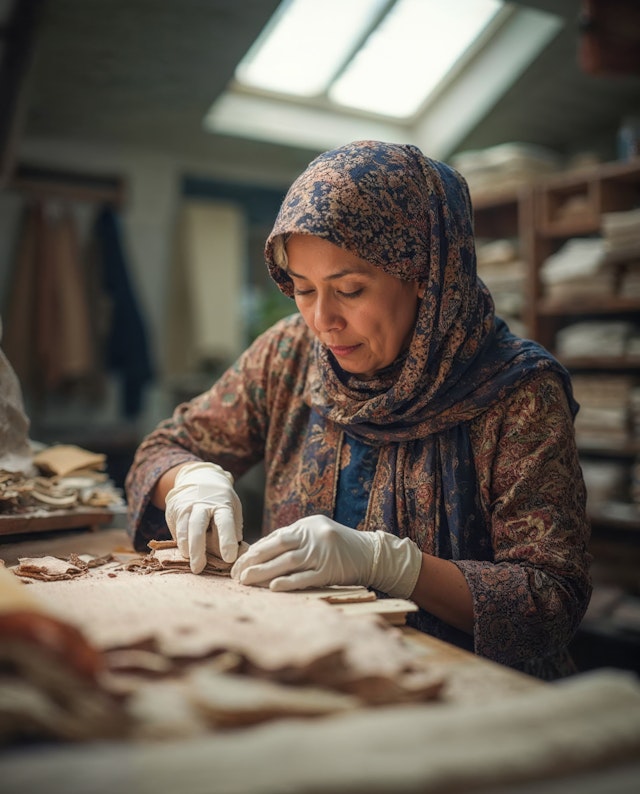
[73, 186]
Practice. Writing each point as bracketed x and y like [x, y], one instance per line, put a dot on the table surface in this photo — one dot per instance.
[494, 727]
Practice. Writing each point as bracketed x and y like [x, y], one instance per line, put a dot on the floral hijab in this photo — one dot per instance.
[411, 216]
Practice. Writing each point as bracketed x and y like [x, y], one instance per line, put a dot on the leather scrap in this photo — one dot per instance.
[164, 557]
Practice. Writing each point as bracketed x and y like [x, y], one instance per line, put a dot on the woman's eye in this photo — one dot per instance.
[349, 294]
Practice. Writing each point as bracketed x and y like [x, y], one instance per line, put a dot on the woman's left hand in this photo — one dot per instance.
[317, 551]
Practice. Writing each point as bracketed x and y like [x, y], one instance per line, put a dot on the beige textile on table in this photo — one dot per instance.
[504, 732]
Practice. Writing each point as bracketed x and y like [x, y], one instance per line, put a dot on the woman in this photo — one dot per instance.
[395, 403]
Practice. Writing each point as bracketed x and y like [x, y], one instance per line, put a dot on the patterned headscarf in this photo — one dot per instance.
[410, 216]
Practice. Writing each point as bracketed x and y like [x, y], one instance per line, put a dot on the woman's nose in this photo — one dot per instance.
[327, 316]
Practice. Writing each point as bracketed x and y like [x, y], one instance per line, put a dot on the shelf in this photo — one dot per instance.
[572, 204]
[595, 305]
[496, 199]
[620, 171]
[556, 208]
[570, 227]
[41, 521]
[619, 516]
[497, 215]
[601, 363]
[606, 449]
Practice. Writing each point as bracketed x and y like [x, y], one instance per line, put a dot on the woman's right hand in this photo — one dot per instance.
[204, 513]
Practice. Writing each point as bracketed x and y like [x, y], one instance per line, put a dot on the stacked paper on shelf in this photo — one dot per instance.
[605, 401]
[505, 166]
[504, 273]
[630, 281]
[614, 606]
[598, 338]
[66, 477]
[606, 481]
[621, 233]
[579, 269]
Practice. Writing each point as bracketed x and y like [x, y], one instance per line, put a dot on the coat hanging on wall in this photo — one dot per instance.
[50, 338]
[71, 317]
[126, 347]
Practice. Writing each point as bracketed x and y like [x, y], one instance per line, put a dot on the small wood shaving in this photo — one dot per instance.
[162, 544]
[338, 594]
[89, 561]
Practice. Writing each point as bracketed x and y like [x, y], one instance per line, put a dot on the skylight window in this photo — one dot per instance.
[376, 56]
[410, 53]
[414, 71]
[306, 43]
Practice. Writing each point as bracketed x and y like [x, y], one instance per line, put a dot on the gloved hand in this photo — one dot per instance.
[317, 551]
[204, 513]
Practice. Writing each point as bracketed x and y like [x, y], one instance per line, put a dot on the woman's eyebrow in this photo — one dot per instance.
[333, 276]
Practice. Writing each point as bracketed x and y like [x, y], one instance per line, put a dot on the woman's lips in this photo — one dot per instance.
[340, 351]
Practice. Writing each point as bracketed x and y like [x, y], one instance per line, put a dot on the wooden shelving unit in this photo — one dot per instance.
[543, 217]
[613, 305]
[508, 214]
[572, 205]
[502, 214]
[569, 206]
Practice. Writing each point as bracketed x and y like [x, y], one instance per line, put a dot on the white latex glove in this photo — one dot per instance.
[204, 513]
[317, 551]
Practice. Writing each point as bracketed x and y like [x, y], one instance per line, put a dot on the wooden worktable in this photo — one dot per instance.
[469, 677]
[493, 729]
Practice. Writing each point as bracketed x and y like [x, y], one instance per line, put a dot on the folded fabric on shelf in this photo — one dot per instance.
[595, 338]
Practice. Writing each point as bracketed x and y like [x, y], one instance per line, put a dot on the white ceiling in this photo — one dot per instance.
[144, 73]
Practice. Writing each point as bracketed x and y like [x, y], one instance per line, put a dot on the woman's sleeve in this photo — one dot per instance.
[529, 601]
[226, 425]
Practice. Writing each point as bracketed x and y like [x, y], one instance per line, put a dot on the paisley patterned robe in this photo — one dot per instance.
[522, 551]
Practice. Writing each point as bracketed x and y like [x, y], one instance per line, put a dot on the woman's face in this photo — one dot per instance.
[363, 315]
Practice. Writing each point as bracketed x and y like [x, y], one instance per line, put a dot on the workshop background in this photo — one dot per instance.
[139, 184]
